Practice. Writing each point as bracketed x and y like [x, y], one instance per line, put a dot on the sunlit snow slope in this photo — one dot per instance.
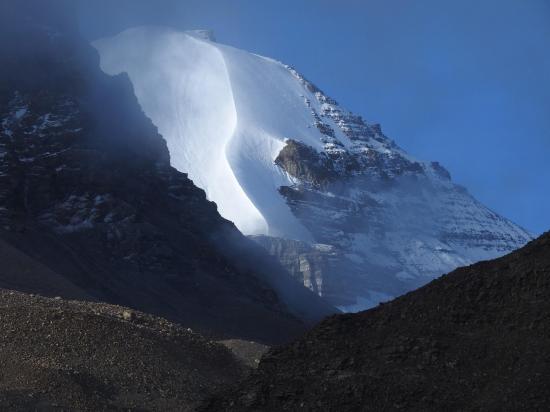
[220, 111]
[358, 219]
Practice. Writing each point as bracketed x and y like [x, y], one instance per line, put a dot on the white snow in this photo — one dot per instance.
[182, 84]
[225, 114]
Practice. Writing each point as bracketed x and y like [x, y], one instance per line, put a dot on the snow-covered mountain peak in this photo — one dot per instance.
[283, 159]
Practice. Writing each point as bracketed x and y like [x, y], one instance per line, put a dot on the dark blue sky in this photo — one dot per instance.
[464, 82]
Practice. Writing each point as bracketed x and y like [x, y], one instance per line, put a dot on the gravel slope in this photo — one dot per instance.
[69, 355]
[476, 339]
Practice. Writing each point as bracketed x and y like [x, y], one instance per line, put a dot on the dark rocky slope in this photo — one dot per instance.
[89, 201]
[69, 355]
[476, 339]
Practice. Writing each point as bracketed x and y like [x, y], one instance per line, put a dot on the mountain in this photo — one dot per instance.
[348, 212]
[82, 356]
[90, 207]
[476, 339]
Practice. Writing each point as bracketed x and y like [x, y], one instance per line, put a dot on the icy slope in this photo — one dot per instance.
[182, 84]
[220, 110]
[280, 158]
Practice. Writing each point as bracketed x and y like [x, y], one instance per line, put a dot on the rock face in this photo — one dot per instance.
[282, 159]
[88, 197]
[475, 339]
[395, 221]
[321, 268]
[69, 355]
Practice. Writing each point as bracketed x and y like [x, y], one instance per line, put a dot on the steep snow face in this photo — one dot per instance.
[182, 84]
[280, 158]
[220, 111]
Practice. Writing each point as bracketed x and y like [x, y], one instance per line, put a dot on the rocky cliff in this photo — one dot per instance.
[396, 221]
[88, 196]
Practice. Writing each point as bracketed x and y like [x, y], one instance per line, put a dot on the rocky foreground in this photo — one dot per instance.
[69, 355]
[476, 339]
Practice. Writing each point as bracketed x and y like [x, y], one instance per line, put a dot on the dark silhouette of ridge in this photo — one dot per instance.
[476, 339]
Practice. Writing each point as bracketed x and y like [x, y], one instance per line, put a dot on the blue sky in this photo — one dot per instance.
[466, 83]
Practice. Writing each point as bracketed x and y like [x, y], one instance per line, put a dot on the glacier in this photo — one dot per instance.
[348, 212]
